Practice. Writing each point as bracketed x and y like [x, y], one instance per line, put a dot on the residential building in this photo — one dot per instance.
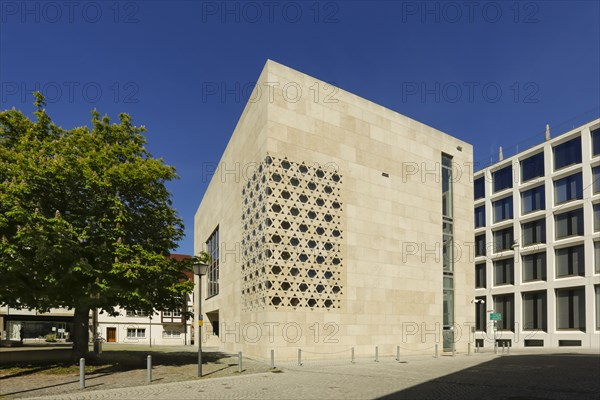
[331, 221]
[134, 327]
[537, 234]
[161, 328]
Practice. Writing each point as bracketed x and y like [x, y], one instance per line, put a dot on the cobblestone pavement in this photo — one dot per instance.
[480, 376]
[37, 381]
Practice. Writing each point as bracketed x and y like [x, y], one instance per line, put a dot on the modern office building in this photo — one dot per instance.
[331, 221]
[537, 236]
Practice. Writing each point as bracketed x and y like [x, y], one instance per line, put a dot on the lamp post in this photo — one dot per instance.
[200, 270]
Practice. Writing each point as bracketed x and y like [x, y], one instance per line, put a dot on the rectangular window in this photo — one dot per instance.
[568, 189]
[569, 224]
[504, 272]
[504, 304]
[480, 322]
[568, 153]
[597, 257]
[448, 306]
[533, 232]
[570, 261]
[534, 267]
[480, 276]
[503, 239]
[447, 247]
[597, 290]
[597, 217]
[136, 333]
[212, 272]
[596, 180]
[503, 209]
[570, 308]
[532, 167]
[171, 334]
[534, 311]
[480, 245]
[595, 142]
[533, 200]
[171, 316]
[133, 313]
[479, 188]
[448, 262]
[502, 179]
[479, 216]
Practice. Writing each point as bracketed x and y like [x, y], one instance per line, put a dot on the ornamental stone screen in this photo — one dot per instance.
[291, 236]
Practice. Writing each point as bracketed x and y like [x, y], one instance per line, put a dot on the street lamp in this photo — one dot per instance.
[200, 270]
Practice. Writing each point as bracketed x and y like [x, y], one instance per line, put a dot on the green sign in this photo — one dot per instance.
[495, 316]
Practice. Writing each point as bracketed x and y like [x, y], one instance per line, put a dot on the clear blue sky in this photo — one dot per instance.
[490, 73]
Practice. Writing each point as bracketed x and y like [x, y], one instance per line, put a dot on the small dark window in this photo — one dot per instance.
[533, 200]
[568, 153]
[480, 249]
[480, 275]
[534, 267]
[502, 179]
[533, 232]
[534, 343]
[568, 189]
[479, 188]
[504, 272]
[569, 224]
[569, 261]
[479, 216]
[532, 167]
[503, 239]
[569, 343]
[503, 209]
[596, 142]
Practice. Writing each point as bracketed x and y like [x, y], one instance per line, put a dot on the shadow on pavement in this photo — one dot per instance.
[552, 376]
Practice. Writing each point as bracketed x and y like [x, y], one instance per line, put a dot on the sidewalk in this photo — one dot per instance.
[489, 376]
[123, 367]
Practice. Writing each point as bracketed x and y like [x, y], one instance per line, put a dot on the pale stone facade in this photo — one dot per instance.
[327, 211]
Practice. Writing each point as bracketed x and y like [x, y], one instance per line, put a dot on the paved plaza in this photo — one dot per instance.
[479, 376]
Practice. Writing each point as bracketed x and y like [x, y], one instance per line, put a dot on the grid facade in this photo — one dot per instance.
[537, 236]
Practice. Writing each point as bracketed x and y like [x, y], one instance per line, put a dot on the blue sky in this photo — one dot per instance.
[491, 73]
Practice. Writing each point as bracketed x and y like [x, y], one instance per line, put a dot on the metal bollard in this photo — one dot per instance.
[299, 357]
[240, 362]
[476, 347]
[352, 361]
[508, 349]
[436, 351]
[82, 373]
[495, 347]
[272, 359]
[149, 369]
[376, 354]
[469, 348]
[453, 350]
[397, 353]
[503, 347]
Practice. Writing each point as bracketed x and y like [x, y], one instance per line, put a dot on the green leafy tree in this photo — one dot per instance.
[85, 220]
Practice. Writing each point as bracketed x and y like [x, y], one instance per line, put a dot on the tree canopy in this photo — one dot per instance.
[86, 220]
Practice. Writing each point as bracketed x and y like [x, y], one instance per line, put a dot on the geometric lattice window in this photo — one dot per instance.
[291, 236]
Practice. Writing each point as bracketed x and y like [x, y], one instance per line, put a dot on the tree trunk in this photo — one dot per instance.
[80, 333]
